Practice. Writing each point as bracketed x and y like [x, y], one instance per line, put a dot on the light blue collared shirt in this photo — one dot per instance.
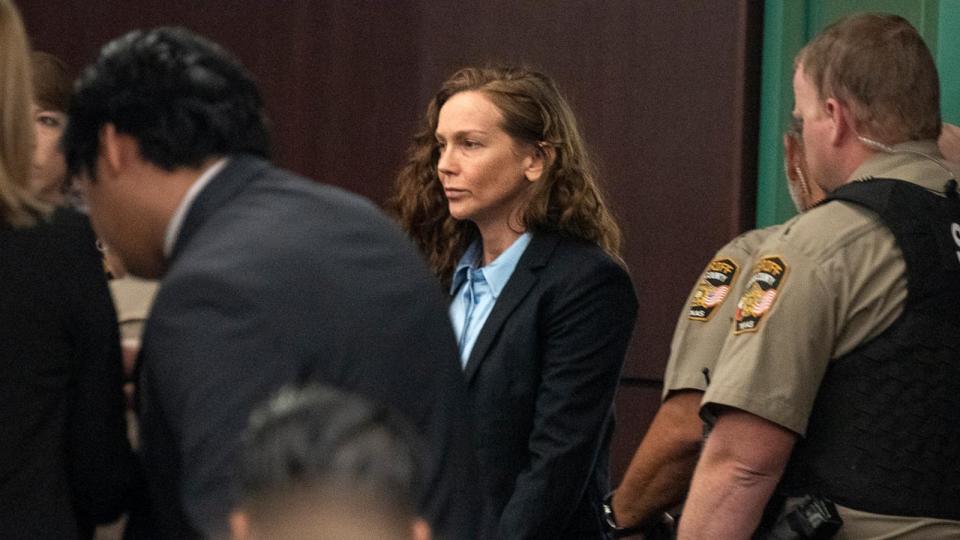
[475, 290]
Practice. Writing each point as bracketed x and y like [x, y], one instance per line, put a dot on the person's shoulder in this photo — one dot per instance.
[569, 250]
[825, 230]
[285, 207]
[59, 221]
[296, 187]
[310, 205]
[293, 228]
[576, 261]
[727, 262]
[70, 230]
[745, 244]
[69, 218]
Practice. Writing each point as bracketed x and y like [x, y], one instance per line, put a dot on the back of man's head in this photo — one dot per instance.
[880, 67]
[182, 97]
[320, 463]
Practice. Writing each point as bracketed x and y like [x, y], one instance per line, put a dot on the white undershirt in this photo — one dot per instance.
[176, 222]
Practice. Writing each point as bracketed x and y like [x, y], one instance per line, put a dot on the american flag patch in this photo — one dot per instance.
[712, 289]
[760, 294]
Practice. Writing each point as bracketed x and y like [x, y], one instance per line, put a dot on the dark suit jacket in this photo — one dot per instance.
[274, 280]
[64, 456]
[542, 377]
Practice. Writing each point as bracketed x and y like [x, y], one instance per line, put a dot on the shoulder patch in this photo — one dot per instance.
[760, 294]
[713, 288]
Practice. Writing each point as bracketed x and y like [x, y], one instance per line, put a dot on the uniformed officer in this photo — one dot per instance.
[841, 374]
[659, 472]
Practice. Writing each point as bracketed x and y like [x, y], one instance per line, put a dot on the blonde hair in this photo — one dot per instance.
[18, 206]
[568, 200]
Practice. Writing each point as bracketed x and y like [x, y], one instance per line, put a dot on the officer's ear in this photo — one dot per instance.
[842, 123]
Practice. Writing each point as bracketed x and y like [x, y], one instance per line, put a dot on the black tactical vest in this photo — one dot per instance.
[884, 433]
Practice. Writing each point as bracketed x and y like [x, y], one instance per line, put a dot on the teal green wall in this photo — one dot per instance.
[948, 59]
[788, 24]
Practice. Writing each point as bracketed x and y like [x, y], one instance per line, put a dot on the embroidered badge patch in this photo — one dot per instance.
[713, 289]
[760, 294]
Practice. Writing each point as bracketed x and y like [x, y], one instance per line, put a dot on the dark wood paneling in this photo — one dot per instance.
[636, 405]
[665, 92]
[338, 77]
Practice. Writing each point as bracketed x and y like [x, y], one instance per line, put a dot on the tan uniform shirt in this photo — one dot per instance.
[132, 298]
[831, 279]
[705, 321]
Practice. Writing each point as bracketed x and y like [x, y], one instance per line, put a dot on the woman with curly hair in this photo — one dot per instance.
[499, 195]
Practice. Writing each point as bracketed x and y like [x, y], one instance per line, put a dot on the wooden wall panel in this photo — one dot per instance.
[665, 92]
[636, 404]
[336, 76]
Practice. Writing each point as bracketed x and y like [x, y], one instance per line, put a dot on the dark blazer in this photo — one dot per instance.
[64, 456]
[273, 280]
[541, 378]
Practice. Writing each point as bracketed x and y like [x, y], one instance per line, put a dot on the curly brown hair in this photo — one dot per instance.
[566, 200]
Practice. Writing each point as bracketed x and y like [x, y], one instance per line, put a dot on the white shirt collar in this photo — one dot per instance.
[176, 222]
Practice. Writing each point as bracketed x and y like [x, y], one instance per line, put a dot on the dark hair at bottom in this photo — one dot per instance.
[317, 438]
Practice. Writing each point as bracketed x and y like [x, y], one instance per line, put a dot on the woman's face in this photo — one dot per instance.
[484, 172]
[49, 167]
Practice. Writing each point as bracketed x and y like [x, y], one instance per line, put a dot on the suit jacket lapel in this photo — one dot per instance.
[239, 171]
[524, 277]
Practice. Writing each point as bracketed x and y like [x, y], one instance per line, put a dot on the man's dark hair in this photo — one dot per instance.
[182, 97]
[321, 440]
